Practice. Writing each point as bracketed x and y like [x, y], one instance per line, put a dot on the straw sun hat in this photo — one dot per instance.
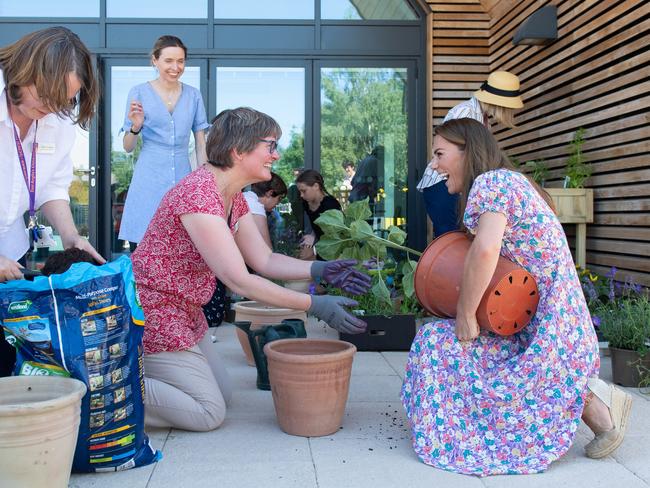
[501, 88]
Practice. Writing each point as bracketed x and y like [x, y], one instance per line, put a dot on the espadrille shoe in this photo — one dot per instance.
[605, 443]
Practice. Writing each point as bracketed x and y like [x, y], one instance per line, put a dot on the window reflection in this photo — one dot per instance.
[48, 8]
[364, 139]
[264, 9]
[367, 10]
[187, 9]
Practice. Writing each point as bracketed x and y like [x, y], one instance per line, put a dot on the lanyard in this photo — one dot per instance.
[30, 181]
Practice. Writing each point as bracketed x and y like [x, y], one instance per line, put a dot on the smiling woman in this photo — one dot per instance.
[203, 232]
[44, 76]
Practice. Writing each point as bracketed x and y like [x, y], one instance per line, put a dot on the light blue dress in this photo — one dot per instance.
[164, 158]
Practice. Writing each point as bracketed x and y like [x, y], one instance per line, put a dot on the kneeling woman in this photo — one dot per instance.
[202, 230]
[483, 404]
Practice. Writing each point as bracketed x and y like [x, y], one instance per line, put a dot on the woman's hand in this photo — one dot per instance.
[136, 115]
[307, 240]
[467, 327]
[81, 243]
[342, 274]
[9, 270]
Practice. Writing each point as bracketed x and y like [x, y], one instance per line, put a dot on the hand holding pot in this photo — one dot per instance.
[341, 274]
[330, 309]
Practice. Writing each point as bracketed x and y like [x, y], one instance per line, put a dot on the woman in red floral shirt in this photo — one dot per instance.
[202, 230]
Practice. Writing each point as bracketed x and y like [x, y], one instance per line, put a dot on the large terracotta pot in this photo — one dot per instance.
[310, 380]
[39, 422]
[259, 314]
[509, 302]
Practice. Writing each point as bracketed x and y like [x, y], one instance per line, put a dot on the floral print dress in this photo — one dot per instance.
[506, 405]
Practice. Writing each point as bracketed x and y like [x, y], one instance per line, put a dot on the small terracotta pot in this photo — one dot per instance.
[310, 380]
[508, 304]
[259, 314]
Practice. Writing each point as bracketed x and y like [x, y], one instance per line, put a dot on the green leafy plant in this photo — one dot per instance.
[538, 170]
[348, 235]
[577, 171]
[625, 323]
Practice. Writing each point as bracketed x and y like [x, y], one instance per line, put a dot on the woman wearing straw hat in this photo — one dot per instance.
[497, 98]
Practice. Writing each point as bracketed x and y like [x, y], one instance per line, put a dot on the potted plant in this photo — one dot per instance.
[390, 307]
[625, 323]
[538, 170]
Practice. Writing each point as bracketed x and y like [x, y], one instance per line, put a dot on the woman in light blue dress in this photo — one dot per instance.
[165, 111]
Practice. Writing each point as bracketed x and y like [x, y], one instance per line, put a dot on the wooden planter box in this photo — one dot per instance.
[575, 206]
[384, 333]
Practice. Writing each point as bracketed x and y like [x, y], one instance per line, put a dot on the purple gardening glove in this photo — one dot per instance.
[331, 310]
[341, 274]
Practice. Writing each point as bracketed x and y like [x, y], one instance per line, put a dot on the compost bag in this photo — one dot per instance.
[87, 323]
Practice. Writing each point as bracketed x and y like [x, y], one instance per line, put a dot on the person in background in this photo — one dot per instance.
[262, 199]
[348, 167]
[497, 99]
[165, 111]
[201, 234]
[47, 86]
[316, 200]
[483, 404]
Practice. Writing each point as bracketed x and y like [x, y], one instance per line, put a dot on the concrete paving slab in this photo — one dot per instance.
[370, 364]
[397, 361]
[375, 388]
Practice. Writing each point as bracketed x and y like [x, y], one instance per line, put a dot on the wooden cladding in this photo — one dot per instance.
[595, 75]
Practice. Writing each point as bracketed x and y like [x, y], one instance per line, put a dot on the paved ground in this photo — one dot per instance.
[371, 450]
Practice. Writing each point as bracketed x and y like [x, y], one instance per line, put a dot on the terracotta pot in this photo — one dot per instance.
[259, 314]
[624, 366]
[310, 380]
[510, 300]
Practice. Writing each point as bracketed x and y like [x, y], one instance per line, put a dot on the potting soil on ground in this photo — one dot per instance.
[87, 323]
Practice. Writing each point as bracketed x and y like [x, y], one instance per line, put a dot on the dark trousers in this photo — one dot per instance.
[442, 208]
[7, 351]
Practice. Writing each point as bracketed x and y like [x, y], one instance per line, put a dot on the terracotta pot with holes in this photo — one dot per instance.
[509, 302]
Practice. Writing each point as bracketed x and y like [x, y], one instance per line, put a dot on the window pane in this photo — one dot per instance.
[367, 10]
[123, 78]
[187, 9]
[280, 93]
[364, 122]
[264, 9]
[48, 8]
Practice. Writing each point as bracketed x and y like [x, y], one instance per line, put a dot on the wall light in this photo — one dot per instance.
[540, 28]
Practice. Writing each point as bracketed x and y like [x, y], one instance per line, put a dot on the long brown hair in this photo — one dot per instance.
[43, 59]
[311, 177]
[481, 154]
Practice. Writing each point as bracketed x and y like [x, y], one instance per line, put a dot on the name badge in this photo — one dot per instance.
[46, 148]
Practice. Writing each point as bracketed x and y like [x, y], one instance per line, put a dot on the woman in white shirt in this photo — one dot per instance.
[263, 198]
[47, 84]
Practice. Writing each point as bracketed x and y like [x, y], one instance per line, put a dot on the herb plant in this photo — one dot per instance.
[577, 171]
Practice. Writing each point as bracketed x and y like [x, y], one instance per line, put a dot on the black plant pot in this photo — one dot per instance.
[384, 333]
[624, 366]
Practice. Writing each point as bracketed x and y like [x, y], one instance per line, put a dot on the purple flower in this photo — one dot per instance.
[595, 319]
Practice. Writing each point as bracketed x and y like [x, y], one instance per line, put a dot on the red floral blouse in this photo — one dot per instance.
[173, 279]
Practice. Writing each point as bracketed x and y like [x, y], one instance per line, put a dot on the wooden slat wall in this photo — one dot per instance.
[596, 76]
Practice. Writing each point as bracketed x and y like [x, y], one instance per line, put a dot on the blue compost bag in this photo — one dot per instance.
[87, 323]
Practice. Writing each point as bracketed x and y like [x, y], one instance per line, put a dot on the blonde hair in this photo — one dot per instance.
[503, 115]
[43, 59]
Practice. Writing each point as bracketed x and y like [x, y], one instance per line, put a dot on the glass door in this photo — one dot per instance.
[280, 89]
[119, 77]
[365, 133]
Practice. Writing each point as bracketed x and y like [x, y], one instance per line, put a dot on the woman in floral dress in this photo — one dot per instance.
[484, 404]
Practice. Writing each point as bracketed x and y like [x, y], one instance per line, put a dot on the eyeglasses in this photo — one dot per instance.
[273, 145]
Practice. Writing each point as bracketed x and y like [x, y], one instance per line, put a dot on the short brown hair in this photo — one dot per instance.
[167, 41]
[43, 59]
[240, 129]
[275, 185]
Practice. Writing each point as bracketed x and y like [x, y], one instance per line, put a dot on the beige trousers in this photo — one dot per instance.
[187, 389]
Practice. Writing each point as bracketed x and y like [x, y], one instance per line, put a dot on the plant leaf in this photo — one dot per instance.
[329, 248]
[332, 222]
[360, 230]
[381, 292]
[396, 235]
[359, 210]
[408, 280]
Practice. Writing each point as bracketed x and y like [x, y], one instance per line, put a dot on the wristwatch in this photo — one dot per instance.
[135, 132]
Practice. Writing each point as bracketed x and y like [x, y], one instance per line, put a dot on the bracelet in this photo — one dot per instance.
[134, 132]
